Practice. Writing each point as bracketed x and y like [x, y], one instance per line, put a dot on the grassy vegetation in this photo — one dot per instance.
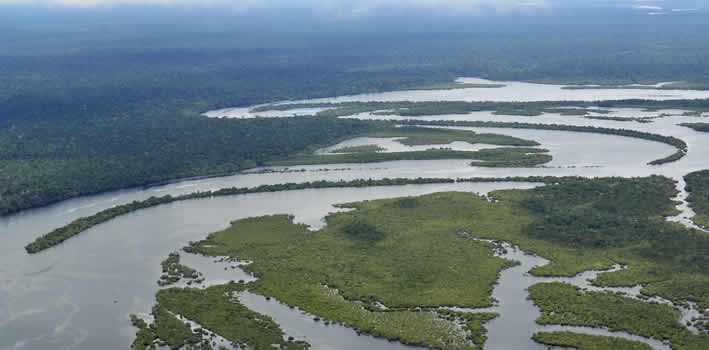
[359, 149]
[416, 136]
[621, 119]
[402, 253]
[697, 126]
[166, 330]
[587, 341]
[218, 310]
[493, 157]
[565, 304]
[698, 188]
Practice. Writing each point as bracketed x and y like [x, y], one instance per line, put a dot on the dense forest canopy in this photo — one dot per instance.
[99, 98]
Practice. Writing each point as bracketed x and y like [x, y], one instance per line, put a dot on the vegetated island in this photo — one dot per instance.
[587, 341]
[704, 127]
[698, 189]
[79, 225]
[670, 140]
[399, 253]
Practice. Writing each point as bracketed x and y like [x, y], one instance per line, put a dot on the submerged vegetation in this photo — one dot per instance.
[173, 271]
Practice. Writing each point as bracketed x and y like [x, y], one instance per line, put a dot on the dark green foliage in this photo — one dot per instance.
[408, 202]
[698, 188]
[697, 126]
[41, 166]
[359, 229]
[609, 212]
[173, 271]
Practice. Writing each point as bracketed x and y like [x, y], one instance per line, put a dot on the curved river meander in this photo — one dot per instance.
[79, 294]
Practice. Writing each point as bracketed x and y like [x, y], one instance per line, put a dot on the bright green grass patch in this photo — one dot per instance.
[587, 341]
[565, 304]
[415, 136]
[359, 149]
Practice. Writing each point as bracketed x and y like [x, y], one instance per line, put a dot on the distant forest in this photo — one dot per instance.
[92, 100]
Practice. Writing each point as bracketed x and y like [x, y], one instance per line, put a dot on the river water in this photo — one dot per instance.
[511, 92]
[79, 294]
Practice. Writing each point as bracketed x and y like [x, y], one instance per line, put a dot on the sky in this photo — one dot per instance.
[363, 7]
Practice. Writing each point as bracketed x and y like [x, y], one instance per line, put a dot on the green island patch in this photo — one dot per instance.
[523, 157]
[218, 311]
[565, 304]
[587, 341]
[704, 127]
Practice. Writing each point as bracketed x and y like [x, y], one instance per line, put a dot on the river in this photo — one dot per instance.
[78, 295]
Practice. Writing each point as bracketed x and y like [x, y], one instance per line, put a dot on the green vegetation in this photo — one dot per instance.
[697, 126]
[167, 330]
[492, 157]
[565, 304]
[79, 225]
[79, 117]
[529, 109]
[622, 119]
[359, 149]
[670, 140]
[698, 188]
[218, 310]
[82, 224]
[416, 136]
[588, 342]
[173, 271]
[37, 168]
[412, 254]
[387, 251]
